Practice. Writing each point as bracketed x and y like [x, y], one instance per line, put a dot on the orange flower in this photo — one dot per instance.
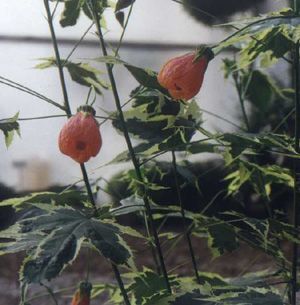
[80, 137]
[82, 295]
[183, 76]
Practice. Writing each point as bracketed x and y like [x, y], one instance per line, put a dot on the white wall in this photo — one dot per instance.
[38, 143]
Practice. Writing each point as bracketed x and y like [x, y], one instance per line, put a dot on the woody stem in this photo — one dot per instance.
[134, 159]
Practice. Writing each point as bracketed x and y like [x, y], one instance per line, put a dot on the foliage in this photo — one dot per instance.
[257, 163]
[9, 127]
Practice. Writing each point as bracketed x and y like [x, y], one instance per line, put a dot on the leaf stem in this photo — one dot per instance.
[12, 84]
[51, 293]
[184, 220]
[135, 162]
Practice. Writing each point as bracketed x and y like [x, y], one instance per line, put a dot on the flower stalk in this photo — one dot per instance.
[69, 114]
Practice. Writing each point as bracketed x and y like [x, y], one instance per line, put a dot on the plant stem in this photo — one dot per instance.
[121, 285]
[124, 29]
[184, 220]
[296, 170]
[88, 185]
[12, 84]
[114, 267]
[242, 102]
[58, 59]
[49, 290]
[69, 114]
[260, 180]
[135, 162]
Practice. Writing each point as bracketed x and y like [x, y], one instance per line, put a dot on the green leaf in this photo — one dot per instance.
[67, 197]
[260, 90]
[120, 6]
[23, 242]
[269, 36]
[9, 127]
[98, 5]
[161, 123]
[53, 254]
[145, 77]
[61, 231]
[253, 296]
[238, 178]
[222, 238]
[82, 73]
[71, 12]
[146, 284]
[129, 205]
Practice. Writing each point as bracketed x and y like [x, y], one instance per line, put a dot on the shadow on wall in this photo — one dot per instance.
[219, 11]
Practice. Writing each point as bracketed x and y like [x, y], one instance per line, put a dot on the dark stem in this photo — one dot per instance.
[184, 220]
[242, 102]
[58, 60]
[135, 162]
[69, 114]
[121, 285]
[114, 267]
[88, 185]
[296, 169]
[49, 290]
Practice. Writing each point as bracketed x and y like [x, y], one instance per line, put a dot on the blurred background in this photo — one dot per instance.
[158, 30]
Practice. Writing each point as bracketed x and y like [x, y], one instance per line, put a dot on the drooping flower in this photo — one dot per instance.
[83, 294]
[80, 137]
[183, 76]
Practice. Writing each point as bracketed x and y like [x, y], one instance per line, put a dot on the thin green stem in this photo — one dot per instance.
[51, 293]
[69, 114]
[135, 162]
[43, 117]
[184, 220]
[296, 77]
[241, 100]
[54, 10]
[112, 117]
[78, 43]
[283, 120]
[221, 118]
[58, 59]
[124, 29]
[10, 83]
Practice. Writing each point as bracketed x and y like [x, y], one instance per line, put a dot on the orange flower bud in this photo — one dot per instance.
[82, 295]
[183, 76]
[80, 137]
